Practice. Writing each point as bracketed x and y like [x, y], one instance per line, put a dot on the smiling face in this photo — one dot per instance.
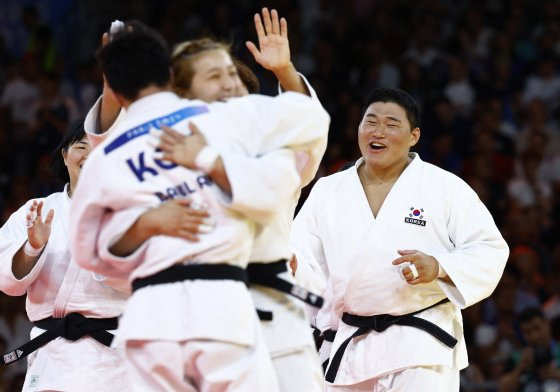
[74, 158]
[385, 137]
[214, 77]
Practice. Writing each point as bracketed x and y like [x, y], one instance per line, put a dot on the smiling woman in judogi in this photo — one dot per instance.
[72, 308]
[405, 245]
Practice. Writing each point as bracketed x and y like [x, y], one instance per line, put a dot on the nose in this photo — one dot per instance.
[379, 131]
[229, 83]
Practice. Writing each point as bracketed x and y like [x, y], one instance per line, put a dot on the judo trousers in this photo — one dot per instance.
[423, 378]
[198, 365]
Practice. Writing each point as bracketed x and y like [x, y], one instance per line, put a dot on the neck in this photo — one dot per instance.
[69, 190]
[152, 89]
[378, 176]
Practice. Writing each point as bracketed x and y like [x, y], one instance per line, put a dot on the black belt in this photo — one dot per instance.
[72, 327]
[178, 273]
[266, 274]
[380, 323]
[328, 336]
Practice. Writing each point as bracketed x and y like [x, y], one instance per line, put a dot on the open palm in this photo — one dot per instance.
[38, 231]
[274, 48]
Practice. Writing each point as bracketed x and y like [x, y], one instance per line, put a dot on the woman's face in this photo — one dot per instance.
[75, 157]
[214, 78]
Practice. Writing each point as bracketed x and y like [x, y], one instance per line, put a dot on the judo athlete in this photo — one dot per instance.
[404, 245]
[190, 323]
[203, 69]
[279, 301]
[72, 308]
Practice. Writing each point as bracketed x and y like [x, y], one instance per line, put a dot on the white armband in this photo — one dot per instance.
[29, 250]
[206, 159]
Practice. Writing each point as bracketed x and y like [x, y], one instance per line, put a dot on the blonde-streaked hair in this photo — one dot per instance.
[182, 59]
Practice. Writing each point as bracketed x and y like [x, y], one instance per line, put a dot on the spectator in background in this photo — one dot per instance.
[21, 94]
[537, 366]
[544, 84]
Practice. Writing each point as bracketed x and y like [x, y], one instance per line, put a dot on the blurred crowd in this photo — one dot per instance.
[486, 74]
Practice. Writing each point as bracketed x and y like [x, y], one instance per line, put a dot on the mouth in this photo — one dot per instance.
[375, 146]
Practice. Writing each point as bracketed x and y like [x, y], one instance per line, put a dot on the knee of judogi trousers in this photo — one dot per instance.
[422, 378]
[199, 365]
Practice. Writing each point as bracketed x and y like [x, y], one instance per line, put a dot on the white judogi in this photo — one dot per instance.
[294, 354]
[240, 131]
[55, 287]
[336, 232]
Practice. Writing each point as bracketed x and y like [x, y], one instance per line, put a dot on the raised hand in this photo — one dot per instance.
[38, 231]
[274, 48]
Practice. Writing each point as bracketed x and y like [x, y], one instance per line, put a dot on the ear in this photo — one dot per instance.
[414, 136]
[64, 155]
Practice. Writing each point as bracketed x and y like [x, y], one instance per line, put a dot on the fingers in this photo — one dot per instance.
[275, 22]
[403, 259]
[195, 131]
[267, 21]
[253, 49]
[403, 252]
[31, 216]
[284, 28]
[170, 132]
[187, 235]
[259, 27]
[39, 210]
[50, 217]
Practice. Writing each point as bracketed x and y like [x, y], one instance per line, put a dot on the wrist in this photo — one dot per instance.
[206, 158]
[31, 251]
[286, 74]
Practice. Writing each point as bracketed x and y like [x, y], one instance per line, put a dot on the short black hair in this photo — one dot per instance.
[74, 134]
[135, 58]
[399, 97]
[529, 314]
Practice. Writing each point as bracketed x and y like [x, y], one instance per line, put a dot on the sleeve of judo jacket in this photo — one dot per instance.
[279, 128]
[479, 258]
[312, 271]
[92, 126]
[12, 237]
[91, 209]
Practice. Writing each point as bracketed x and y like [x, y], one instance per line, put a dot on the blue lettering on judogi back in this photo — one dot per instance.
[142, 129]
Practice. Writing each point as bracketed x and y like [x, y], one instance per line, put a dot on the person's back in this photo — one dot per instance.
[202, 279]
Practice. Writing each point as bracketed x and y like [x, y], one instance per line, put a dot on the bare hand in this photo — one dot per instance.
[175, 218]
[38, 231]
[274, 53]
[179, 148]
[293, 264]
[426, 266]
